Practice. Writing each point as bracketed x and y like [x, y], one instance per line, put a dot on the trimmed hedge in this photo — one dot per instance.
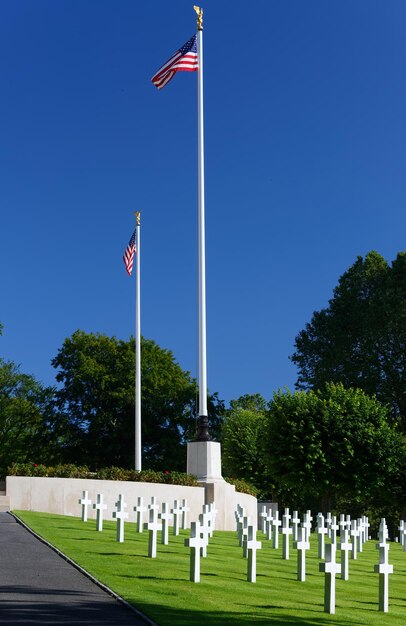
[107, 473]
[243, 487]
[118, 473]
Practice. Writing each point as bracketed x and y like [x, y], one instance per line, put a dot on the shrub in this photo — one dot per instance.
[106, 473]
[243, 487]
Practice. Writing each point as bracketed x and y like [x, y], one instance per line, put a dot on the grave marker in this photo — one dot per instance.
[276, 522]
[85, 502]
[286, 532]
[252, 546]
[140, 510]
[269, 520]
[345, 547]
[177, 514]
[307, 524]
[333, 529]
[301, 546]
[100, 507]
[185, 510]
[321, 531]
[153, 525]
[295, 525]
[330, 569]
[195, 543]
[383, 569]
[120, 515]
[354, 535]
[263, 515]
[204, 519]
[165, 516]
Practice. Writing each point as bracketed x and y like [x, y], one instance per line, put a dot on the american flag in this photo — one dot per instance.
[184, 60]
[128, 256]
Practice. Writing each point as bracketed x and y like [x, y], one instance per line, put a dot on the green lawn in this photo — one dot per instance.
[161, 589]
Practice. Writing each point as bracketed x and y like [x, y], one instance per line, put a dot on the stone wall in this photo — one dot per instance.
[61, 496]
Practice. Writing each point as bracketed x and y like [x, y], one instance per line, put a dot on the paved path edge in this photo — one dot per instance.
[115, 595]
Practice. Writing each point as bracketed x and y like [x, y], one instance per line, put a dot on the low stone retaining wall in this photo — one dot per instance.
[61, 495]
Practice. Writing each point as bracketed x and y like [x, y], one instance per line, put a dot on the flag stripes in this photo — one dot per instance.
[184, 60]
[128, 256]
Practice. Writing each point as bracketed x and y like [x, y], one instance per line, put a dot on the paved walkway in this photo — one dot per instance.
[37, 586]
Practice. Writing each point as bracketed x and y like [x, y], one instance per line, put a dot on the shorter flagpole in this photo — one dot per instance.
[138, 462]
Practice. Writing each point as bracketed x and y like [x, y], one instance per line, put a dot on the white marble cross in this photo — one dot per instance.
[345, 547]
[244, 534]
[99, 506]
[333, 529]
[213, 513]
[195, 543]
[268, 524]
[239, 521]
[165, 516]
[360, 538]
[140, 510]
[185, 510]
[204, 520]
[295, 526]
[85, 502]
[366, 525]
[153, 525]
[354, 532]
[307, 524]
[301, 546]
[383, 569]
[252, 546]
[330, 569]
[120, 515]
[207, 520]
[342, 524]
[263, 514]
[402, 534]
[176, 512]
[403, 540]
[286, 532]
[321, 531]
[328, 524]
[276, 522]
[383, 531]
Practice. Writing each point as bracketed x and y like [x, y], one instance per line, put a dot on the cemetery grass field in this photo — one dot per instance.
[161, 588]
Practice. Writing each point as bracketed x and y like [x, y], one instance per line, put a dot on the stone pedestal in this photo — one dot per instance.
[204, 461]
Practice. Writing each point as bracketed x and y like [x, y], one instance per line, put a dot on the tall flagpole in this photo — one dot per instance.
[202, 424]
[137, 346]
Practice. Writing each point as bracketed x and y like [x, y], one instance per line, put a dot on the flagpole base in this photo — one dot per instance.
[204, 460]
[202, 431]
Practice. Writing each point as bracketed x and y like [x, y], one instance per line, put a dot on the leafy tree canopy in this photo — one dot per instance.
[242, 432]
[26, 418]
[333, 446]
[360, 338]
[97, 396]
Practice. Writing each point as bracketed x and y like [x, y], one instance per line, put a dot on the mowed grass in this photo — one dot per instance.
[161, 588]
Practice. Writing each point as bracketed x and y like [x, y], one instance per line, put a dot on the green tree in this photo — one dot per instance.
[333, 447]
[97, 397]
[27, 420]
[242, 433]
[360, 338]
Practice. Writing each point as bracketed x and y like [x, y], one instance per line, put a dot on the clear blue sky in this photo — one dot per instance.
[305, 129]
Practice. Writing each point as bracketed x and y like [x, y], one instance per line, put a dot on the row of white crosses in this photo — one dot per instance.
[357, 530]
[156, 521]
[200, 533]
[383, 568]
[247, 537]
